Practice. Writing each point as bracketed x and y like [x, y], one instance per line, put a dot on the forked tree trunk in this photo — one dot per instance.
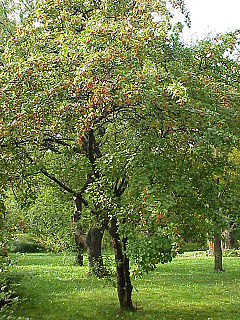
[92, 242]
[94, 250]
[124, 286]
[217, 253]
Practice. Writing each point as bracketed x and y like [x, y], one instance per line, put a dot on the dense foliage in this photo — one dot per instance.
[44, 223]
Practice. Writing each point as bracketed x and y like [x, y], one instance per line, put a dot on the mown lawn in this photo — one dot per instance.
[54, 288]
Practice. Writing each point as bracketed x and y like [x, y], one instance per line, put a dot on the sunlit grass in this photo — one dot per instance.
[54, 288]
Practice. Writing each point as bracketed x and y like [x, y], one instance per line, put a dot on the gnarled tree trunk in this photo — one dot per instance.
[94, 250]
[92, 242]
[124, 286]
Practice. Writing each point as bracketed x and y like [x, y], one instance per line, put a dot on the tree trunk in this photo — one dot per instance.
[79, 237]
[217, 253]
[211, 247]
[124, 286]
[217, 235]
[94, 249]
[92, 242]
[226, 244]
[80, 250]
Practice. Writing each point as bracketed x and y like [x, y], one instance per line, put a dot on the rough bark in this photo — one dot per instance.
[124, 286]
[217, 253]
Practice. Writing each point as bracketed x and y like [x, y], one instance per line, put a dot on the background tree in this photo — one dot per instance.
[47, 217]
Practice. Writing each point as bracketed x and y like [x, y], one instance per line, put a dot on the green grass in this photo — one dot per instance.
[55, 289]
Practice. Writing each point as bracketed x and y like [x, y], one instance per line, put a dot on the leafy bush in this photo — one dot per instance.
[231, 253]
[26, 243]
[193, 246]
[235, 238]
[47, 218]
[7, 281]
[56, 244]
[8, 285]
[4, 283]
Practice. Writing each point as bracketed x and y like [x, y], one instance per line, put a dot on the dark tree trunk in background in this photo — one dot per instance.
[217, 253]
[79, 236]
[124, 286]
[94, 250]
[92, 242]
[226, 244]
[211, 247]
[80, 249]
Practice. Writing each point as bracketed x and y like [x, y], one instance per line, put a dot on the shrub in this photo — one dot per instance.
[26, 243]
[4, 283]
[231, 253]
[235, 238]
[7, 281]
[193, 246]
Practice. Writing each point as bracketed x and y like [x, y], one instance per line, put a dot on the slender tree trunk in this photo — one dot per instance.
[217, 253]
[217, 235]
[124, 286]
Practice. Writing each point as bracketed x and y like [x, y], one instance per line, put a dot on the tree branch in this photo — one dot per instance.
[51, 177]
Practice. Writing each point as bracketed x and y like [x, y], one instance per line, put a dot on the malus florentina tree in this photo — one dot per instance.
[105, 82]
[68, 77]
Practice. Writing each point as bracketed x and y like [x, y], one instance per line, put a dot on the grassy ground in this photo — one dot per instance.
[56, 289]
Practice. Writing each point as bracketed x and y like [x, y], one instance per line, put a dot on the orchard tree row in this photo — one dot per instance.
[139, 129]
